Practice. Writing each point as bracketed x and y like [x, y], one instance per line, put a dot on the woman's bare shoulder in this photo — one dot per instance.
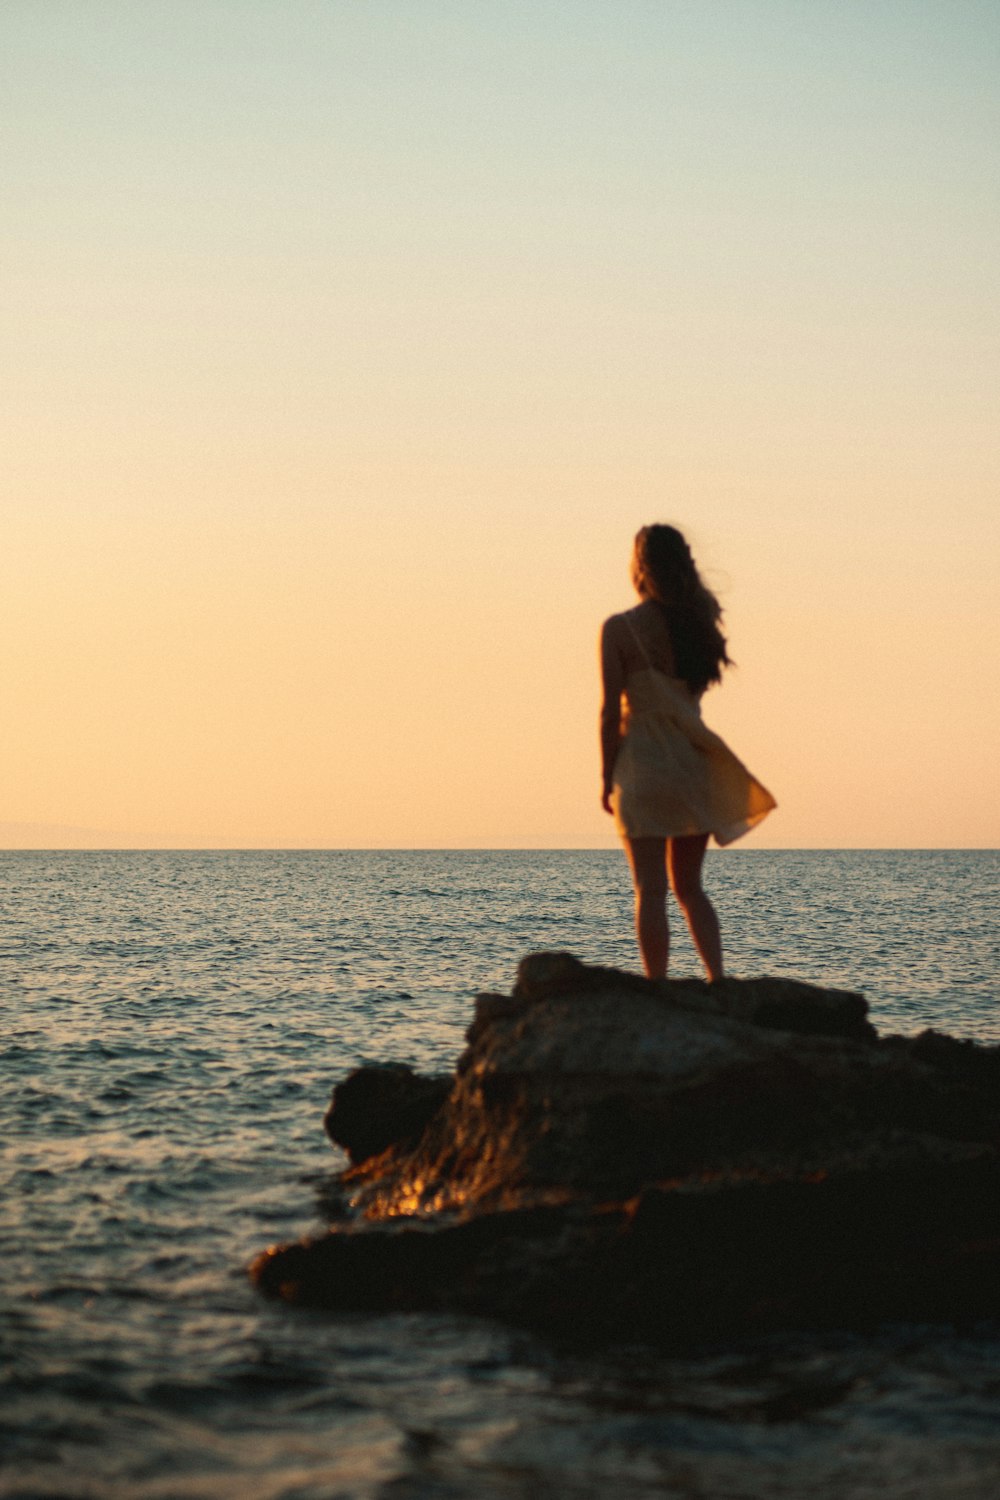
[619, 625]
[616, 640]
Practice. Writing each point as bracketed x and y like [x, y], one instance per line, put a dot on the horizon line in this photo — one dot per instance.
[480, 849]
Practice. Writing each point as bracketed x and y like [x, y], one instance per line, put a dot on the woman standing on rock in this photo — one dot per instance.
[669, 781]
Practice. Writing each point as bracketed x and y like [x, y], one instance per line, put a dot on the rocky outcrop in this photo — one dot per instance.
[378, 1107]
[672, 1160]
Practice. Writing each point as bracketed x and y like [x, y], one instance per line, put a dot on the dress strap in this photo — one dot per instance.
[638, 639]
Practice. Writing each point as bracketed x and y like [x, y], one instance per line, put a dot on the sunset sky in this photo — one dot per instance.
[347, 344]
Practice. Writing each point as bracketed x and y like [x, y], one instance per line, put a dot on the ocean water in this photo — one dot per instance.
[172, 1024]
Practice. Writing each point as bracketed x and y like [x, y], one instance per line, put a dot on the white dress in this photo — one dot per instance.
[673, 775]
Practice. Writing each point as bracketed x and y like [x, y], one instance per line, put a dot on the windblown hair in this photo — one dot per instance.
[665, 571]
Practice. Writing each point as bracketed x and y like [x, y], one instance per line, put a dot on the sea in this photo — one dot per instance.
[172, 1025]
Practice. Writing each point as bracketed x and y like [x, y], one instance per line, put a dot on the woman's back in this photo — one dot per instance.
[642, 639]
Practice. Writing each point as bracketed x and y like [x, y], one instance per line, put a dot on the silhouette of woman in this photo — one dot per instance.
[669, 782]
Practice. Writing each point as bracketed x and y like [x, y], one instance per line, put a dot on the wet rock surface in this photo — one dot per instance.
[671, 1160]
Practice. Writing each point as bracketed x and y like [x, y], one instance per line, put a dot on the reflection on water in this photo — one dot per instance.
[172, 1025]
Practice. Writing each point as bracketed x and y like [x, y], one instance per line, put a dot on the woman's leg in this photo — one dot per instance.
[647, 858]
[684, 858]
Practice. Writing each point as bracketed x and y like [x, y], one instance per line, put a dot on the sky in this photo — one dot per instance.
[347, 345]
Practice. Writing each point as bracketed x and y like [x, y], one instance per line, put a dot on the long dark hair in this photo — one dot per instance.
[664, 570]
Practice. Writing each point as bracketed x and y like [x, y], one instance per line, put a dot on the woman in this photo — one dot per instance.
[668, 780]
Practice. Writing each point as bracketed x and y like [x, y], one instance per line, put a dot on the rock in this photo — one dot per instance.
[784, 1004]
[378, 1107]
[673, 1160]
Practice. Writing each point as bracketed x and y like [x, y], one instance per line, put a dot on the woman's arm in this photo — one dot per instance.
[613, 683]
